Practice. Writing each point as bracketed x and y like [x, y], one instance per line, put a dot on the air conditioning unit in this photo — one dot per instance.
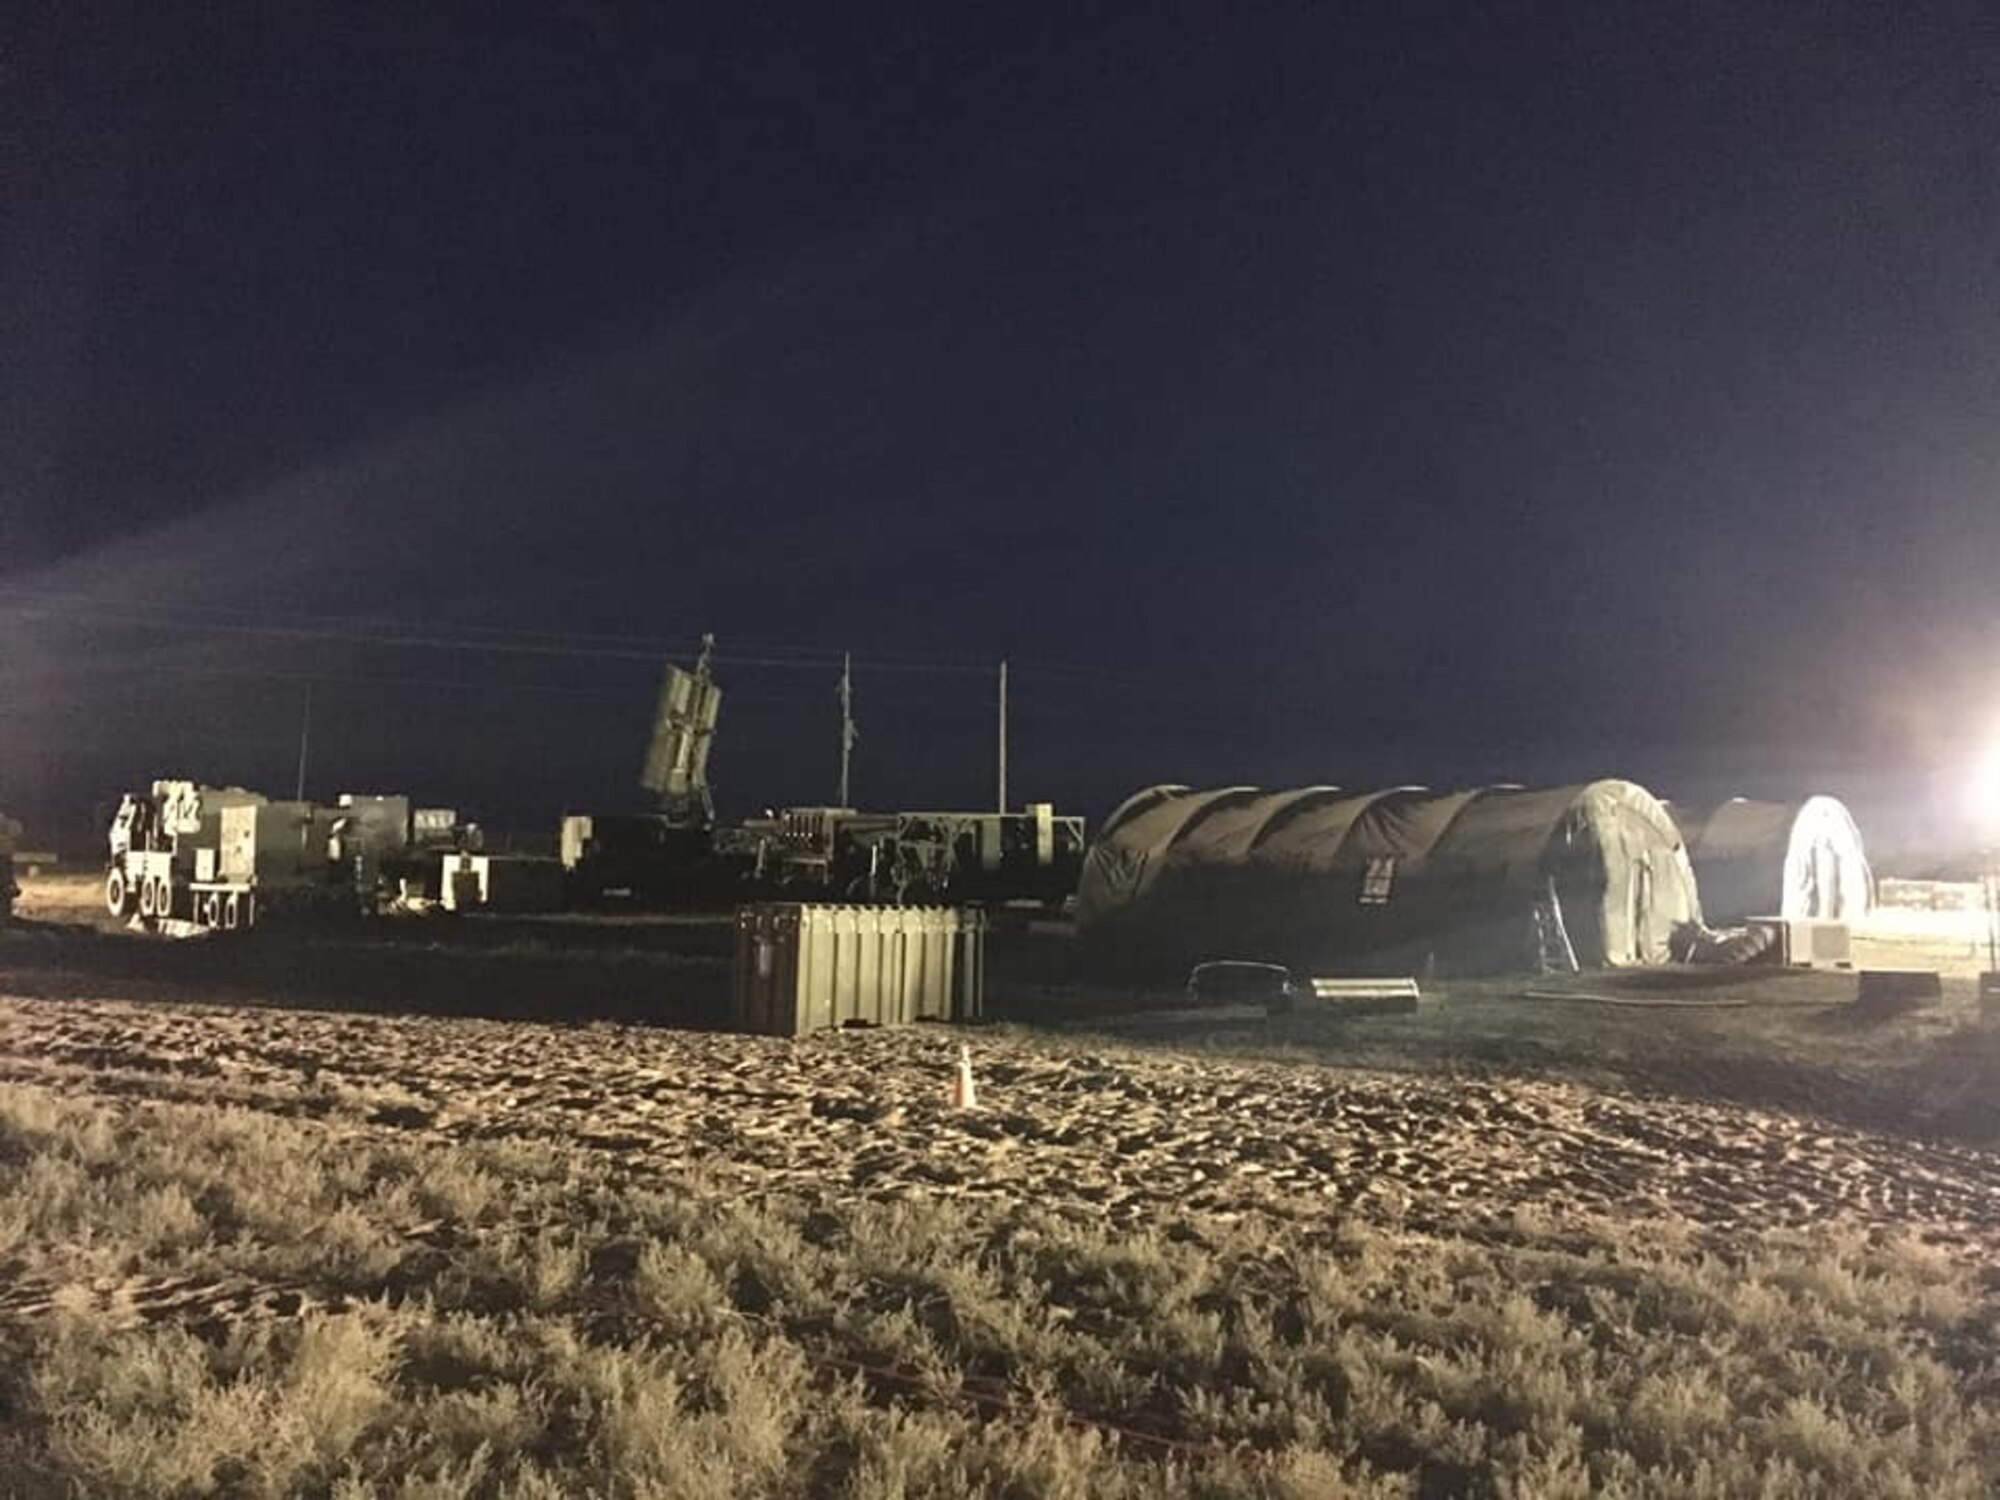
[1808, 941]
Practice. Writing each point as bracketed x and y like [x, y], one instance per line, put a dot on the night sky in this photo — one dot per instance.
[1292, 393]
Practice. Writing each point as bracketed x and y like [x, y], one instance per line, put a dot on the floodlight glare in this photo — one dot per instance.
[1983, 794]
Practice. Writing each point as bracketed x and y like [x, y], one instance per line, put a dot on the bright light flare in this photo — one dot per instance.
[1982, 789]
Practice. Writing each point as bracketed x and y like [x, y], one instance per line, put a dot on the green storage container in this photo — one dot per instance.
[801, 969]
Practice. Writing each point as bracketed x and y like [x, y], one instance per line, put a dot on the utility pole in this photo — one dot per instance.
[1003, 734]
[848, 734]
[305, 732]
[1990, 888]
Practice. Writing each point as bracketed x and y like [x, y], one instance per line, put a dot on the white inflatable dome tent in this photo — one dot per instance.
[1331, 881]
[1778, 859]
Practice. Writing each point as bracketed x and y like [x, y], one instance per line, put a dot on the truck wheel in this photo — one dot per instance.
[149, 902]
[117, 895]
[163, 898]
[211, 911]
[230, 913]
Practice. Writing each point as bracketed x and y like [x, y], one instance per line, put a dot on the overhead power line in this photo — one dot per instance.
[216, 613]
[86, 610]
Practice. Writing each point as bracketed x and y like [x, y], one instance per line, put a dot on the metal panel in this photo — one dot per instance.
[272, 843]
[801, 969]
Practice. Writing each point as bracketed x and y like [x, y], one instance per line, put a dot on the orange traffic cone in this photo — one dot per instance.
[963, 1094]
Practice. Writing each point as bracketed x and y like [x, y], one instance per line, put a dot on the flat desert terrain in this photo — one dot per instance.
[1644, 1240]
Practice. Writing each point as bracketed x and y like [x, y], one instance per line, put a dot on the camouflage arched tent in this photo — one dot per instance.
[1332, 881]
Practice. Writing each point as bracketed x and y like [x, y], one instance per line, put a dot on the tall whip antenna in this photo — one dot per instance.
[848, 733]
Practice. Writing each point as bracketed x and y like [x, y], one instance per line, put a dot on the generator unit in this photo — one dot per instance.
[1806, 941]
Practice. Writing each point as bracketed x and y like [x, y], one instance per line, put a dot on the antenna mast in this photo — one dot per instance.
[305, 732]
[848, 733]
[1003, 734]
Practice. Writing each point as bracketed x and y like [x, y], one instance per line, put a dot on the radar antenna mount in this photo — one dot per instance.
[676, 769]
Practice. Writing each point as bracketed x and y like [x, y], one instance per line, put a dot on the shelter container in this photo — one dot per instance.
[1328, 880]
[802, 968]
[1802, 861]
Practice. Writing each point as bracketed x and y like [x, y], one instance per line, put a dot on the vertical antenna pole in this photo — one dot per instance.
[1003, 734]
[305, 733]
[846, 721]
[1991, 881]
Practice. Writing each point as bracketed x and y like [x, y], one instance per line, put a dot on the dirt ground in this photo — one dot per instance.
[1726, 1096]
[1660, 1133]
[1139, 1137]
[1784, 1039]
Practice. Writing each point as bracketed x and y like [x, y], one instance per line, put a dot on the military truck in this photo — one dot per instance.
[221, 858]
[215, 856]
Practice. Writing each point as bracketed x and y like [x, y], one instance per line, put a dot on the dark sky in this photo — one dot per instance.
[1294, 393]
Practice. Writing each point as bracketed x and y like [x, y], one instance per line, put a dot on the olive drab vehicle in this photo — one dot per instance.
[214, 856]
[221, 858]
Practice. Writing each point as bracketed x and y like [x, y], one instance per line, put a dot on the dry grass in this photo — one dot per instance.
[213, 1300]
[276, 1253]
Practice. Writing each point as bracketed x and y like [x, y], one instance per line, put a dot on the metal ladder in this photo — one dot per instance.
[1554, 953]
